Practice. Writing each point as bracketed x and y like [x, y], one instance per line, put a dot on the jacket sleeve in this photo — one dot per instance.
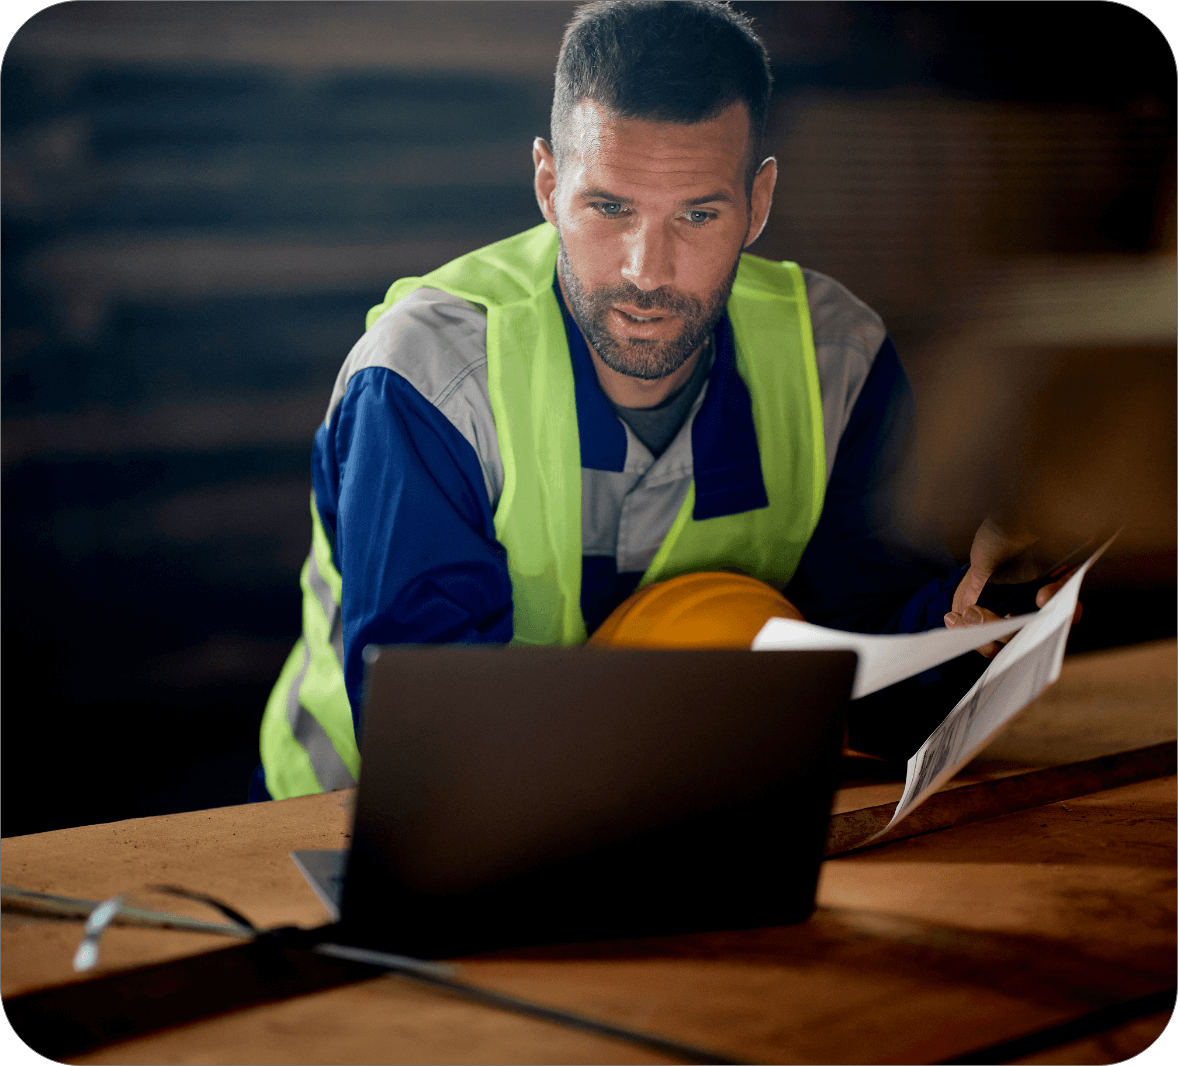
[860, 573]
[402, 499]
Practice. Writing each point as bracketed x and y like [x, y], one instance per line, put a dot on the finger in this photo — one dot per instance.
[1045, 594]
[976, 616]
[1047, 591]
[970, 588]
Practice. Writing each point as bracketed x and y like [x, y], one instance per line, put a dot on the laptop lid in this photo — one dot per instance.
[513, 796]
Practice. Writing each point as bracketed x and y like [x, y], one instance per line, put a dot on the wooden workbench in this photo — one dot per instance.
[921, 950]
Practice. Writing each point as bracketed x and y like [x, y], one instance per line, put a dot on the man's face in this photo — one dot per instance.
[652, 219]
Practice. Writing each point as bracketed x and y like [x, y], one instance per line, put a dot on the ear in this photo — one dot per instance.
[761, 199]
[545, 181]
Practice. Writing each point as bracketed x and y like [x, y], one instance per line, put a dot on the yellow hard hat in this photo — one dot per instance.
[708, 610]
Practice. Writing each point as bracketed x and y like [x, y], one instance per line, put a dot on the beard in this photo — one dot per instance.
[635, 357]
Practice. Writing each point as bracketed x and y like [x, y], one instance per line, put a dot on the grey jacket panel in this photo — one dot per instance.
[627, 514]
[602, 494]
[438, 343]
[847, 336]
[645, 519]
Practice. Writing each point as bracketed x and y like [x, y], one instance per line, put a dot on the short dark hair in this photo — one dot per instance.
[681, 61]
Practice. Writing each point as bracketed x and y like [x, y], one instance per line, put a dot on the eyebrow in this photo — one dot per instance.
[718, 197]
[604, 194]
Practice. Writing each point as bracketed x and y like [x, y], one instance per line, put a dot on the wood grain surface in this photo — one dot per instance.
[920, 950]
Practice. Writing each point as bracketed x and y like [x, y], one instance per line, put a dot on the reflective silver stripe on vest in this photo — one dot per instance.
[329, 768]
[337, 637]
[322, 591]
[438, 344]
[847, 337]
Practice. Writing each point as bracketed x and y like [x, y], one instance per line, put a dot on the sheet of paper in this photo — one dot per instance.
[1016, 675]
[883, 660]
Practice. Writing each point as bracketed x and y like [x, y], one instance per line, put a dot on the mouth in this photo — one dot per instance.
[641, 314]
[639, 319]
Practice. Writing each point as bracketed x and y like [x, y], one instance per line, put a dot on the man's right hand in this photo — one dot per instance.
[992, 546]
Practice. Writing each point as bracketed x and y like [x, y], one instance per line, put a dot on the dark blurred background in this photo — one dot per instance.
[200, 201]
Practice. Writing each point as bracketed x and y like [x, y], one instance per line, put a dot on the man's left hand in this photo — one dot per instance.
[993, 545]
[974, 615]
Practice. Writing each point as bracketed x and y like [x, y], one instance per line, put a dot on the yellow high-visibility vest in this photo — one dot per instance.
[538, 518]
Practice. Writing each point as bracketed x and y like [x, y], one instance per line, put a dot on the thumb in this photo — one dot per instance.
[970, 588]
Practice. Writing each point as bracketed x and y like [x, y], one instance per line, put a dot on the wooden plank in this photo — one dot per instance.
[1000, 795]
[238, 854]
[1117, 702]
[1100, 1020]
[870, 977]
[1113, 1045]
[921, 951]
[70, 1020]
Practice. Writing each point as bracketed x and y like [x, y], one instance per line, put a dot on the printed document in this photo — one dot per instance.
[1018, 673]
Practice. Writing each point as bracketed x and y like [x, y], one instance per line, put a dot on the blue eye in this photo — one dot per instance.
[698, 218]
[610, 208]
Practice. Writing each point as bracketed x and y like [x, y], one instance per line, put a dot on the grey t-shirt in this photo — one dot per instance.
[656, 426]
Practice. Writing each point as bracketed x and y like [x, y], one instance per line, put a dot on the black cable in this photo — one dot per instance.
[436, 975]
[571, 1020]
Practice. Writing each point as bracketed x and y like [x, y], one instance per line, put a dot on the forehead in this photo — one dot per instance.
[618, 153]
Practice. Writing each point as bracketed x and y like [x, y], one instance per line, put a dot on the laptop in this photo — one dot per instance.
[521, 796]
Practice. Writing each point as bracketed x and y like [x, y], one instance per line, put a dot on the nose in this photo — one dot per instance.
[649, 262]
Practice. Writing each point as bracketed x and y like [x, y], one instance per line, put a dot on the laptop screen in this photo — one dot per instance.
[514, 796]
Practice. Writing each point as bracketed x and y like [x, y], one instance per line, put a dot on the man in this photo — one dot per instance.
[616, 396]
